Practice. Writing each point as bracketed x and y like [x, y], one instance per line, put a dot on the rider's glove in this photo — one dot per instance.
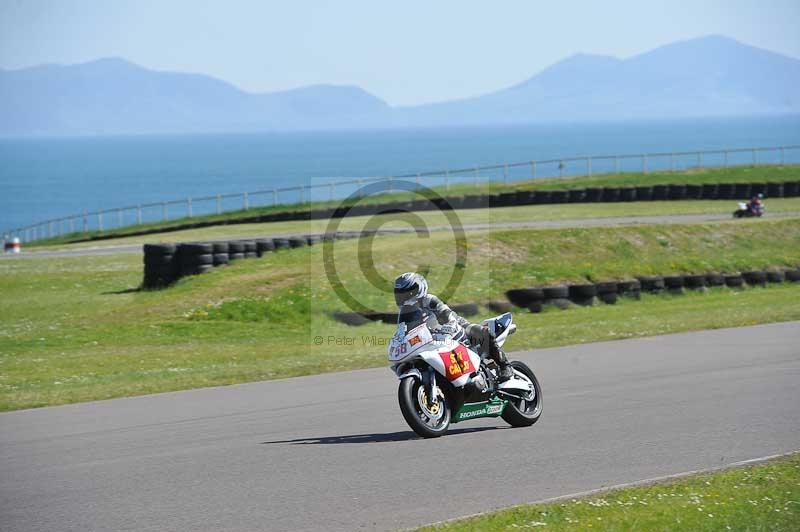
[448, 330]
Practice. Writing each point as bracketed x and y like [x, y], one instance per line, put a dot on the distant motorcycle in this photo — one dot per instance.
[443, 381]
[746, 210]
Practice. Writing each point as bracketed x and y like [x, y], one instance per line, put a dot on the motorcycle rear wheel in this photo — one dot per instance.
[519, 412]
[425, 425]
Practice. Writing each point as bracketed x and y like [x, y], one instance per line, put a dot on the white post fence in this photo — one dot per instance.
[559, 167]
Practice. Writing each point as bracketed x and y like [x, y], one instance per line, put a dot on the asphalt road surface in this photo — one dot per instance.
[332, 452]
[83, 249]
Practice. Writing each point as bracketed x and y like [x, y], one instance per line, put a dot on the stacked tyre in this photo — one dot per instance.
[195, 258]
[557, 295]
[607, 292]
[582, 294]
[221, 252]
[159, 265]
[529, 298]
[236, 249]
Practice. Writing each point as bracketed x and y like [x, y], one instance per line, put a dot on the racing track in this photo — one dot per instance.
[332, 452]
[83, 249]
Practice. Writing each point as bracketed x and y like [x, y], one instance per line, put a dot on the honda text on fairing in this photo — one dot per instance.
[443, 381]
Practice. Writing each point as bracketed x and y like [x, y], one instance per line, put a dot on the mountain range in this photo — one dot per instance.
[707, 76]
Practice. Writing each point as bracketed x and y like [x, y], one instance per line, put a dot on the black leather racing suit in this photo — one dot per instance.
[440, 314]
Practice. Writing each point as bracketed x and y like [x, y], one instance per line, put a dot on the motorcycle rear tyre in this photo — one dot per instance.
[512, 414]
[407, 397]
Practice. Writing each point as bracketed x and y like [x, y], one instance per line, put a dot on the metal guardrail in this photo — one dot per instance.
[575, 166]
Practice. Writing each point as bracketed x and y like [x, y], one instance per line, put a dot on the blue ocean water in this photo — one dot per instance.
[52, 177]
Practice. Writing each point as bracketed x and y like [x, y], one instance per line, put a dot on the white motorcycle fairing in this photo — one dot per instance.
[451, 359]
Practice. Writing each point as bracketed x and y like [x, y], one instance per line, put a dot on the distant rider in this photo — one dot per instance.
[411, 294]
[756, 206]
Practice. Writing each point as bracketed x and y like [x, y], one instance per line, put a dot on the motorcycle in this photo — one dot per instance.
[745, 211]
[445, 381]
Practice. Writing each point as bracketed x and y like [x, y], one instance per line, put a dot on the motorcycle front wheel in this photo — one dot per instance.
[521, 412]
[429, 419]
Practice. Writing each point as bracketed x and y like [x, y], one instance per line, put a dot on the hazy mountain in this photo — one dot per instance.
[115, 96]
[710, 76]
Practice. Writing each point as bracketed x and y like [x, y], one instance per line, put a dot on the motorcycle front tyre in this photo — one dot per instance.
[524, 413]
[412, 413]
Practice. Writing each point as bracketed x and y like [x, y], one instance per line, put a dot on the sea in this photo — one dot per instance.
[50, 178]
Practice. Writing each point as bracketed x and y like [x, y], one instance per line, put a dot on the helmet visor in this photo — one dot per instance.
[403, 295]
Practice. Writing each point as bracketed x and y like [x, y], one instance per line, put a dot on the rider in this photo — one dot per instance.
[411, 293]
[755, 205]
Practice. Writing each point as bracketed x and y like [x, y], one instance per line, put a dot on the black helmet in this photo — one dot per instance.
[409, 288]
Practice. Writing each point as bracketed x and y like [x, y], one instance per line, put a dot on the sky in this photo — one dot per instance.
[406, 52]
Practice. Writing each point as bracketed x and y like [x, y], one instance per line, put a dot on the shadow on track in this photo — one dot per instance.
[374, 438]
[119, 292]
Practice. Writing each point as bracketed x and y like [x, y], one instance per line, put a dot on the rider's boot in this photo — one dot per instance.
[505, 370]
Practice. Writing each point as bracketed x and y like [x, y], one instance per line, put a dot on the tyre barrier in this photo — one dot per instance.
[610, 195]
[586, 294]
[559, 196]
[653, 284]
[627, 194]
[582, 294]
[264, 245]
[695, 282]
[776, 276]
[676, 192]
[694, 191]
[594, 194]
[466, 309]
[660, 192]
[742, 190]
[755, 277]
[734, 280]
[556, 295]
[576, 195]
[159, 265]
[774, 190]
[708, 191]
[791, 189]
[725, 191]
[674, 283]
[499, 306]
[164, 264]
[541, 197]
[644, 193]
[555, 292]
[631, 289]
[529, 298]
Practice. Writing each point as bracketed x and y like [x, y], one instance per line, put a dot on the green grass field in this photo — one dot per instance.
[697, 176]
[760, 497]
[75, 329]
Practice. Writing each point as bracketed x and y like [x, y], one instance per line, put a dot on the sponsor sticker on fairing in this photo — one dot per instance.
[494, 409]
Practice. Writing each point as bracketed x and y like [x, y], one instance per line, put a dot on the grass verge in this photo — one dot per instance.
[759, 497]
[742, 174]
[75, 329]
